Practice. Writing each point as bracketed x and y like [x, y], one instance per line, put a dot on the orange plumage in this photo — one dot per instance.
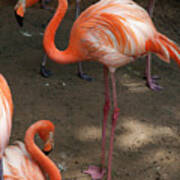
[6, 111]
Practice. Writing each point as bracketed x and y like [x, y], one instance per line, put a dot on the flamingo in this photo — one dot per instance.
[27, 161]
[6, 112]
[24, 161]
[20, 9]
[114, 33]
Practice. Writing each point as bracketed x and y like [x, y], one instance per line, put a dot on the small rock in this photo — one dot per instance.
[47, 84]
[63, 84]
[61, 167]
[26, 34]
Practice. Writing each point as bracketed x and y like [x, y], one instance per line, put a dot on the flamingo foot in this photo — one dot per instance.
[153, 85]
[85, 77]
[95, 172]
[45, 72]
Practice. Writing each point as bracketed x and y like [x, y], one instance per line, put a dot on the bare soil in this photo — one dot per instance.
[147, 142]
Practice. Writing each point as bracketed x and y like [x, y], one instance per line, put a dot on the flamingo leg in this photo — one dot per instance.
[106, 112]
[151, 7]
[81, 74]
[151, 80]
[151, 83]
[1, 170]
[94, 171]
[43, 71]
[114, 121]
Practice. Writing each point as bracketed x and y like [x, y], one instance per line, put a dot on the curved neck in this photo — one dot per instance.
[44, 162]
[63, 57]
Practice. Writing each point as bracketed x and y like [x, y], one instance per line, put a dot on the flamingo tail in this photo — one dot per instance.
[164, 48]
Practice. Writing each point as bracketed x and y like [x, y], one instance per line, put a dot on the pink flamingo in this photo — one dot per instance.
[114, 33]
[27, 161]
[6, 112]
[24, 161]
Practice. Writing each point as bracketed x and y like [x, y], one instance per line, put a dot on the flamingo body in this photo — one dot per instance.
[6, 108]
[110, 33]
[115, 36]
[18, 164]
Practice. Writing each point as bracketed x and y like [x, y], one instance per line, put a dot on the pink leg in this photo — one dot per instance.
[114, 120]
[98, 172]
[43, 71]
[81, 74]
[151, 81]
[106, 112]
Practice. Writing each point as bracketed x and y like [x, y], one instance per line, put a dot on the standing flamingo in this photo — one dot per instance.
[6, 112]
[20, 9]
[114, 33]
[24, 161]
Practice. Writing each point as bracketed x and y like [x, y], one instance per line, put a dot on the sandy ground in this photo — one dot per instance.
[147, 143]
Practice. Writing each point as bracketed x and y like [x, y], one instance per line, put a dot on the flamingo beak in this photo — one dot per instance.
[49, 144]
[19, 19]
[47, 152]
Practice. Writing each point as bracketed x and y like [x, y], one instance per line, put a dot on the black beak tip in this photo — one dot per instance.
[47, 152]
[19, 19]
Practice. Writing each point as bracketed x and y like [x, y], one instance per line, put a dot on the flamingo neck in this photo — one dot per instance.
[63, 57]
[44, 162]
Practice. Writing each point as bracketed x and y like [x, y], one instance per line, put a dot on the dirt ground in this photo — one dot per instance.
[147, 143]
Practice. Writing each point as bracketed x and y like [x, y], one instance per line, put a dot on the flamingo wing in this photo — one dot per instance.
[17, 164]
[114, 32]
[6, 110]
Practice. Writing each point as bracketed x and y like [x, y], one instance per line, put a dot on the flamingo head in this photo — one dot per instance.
[46, 133]
[19, 11]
